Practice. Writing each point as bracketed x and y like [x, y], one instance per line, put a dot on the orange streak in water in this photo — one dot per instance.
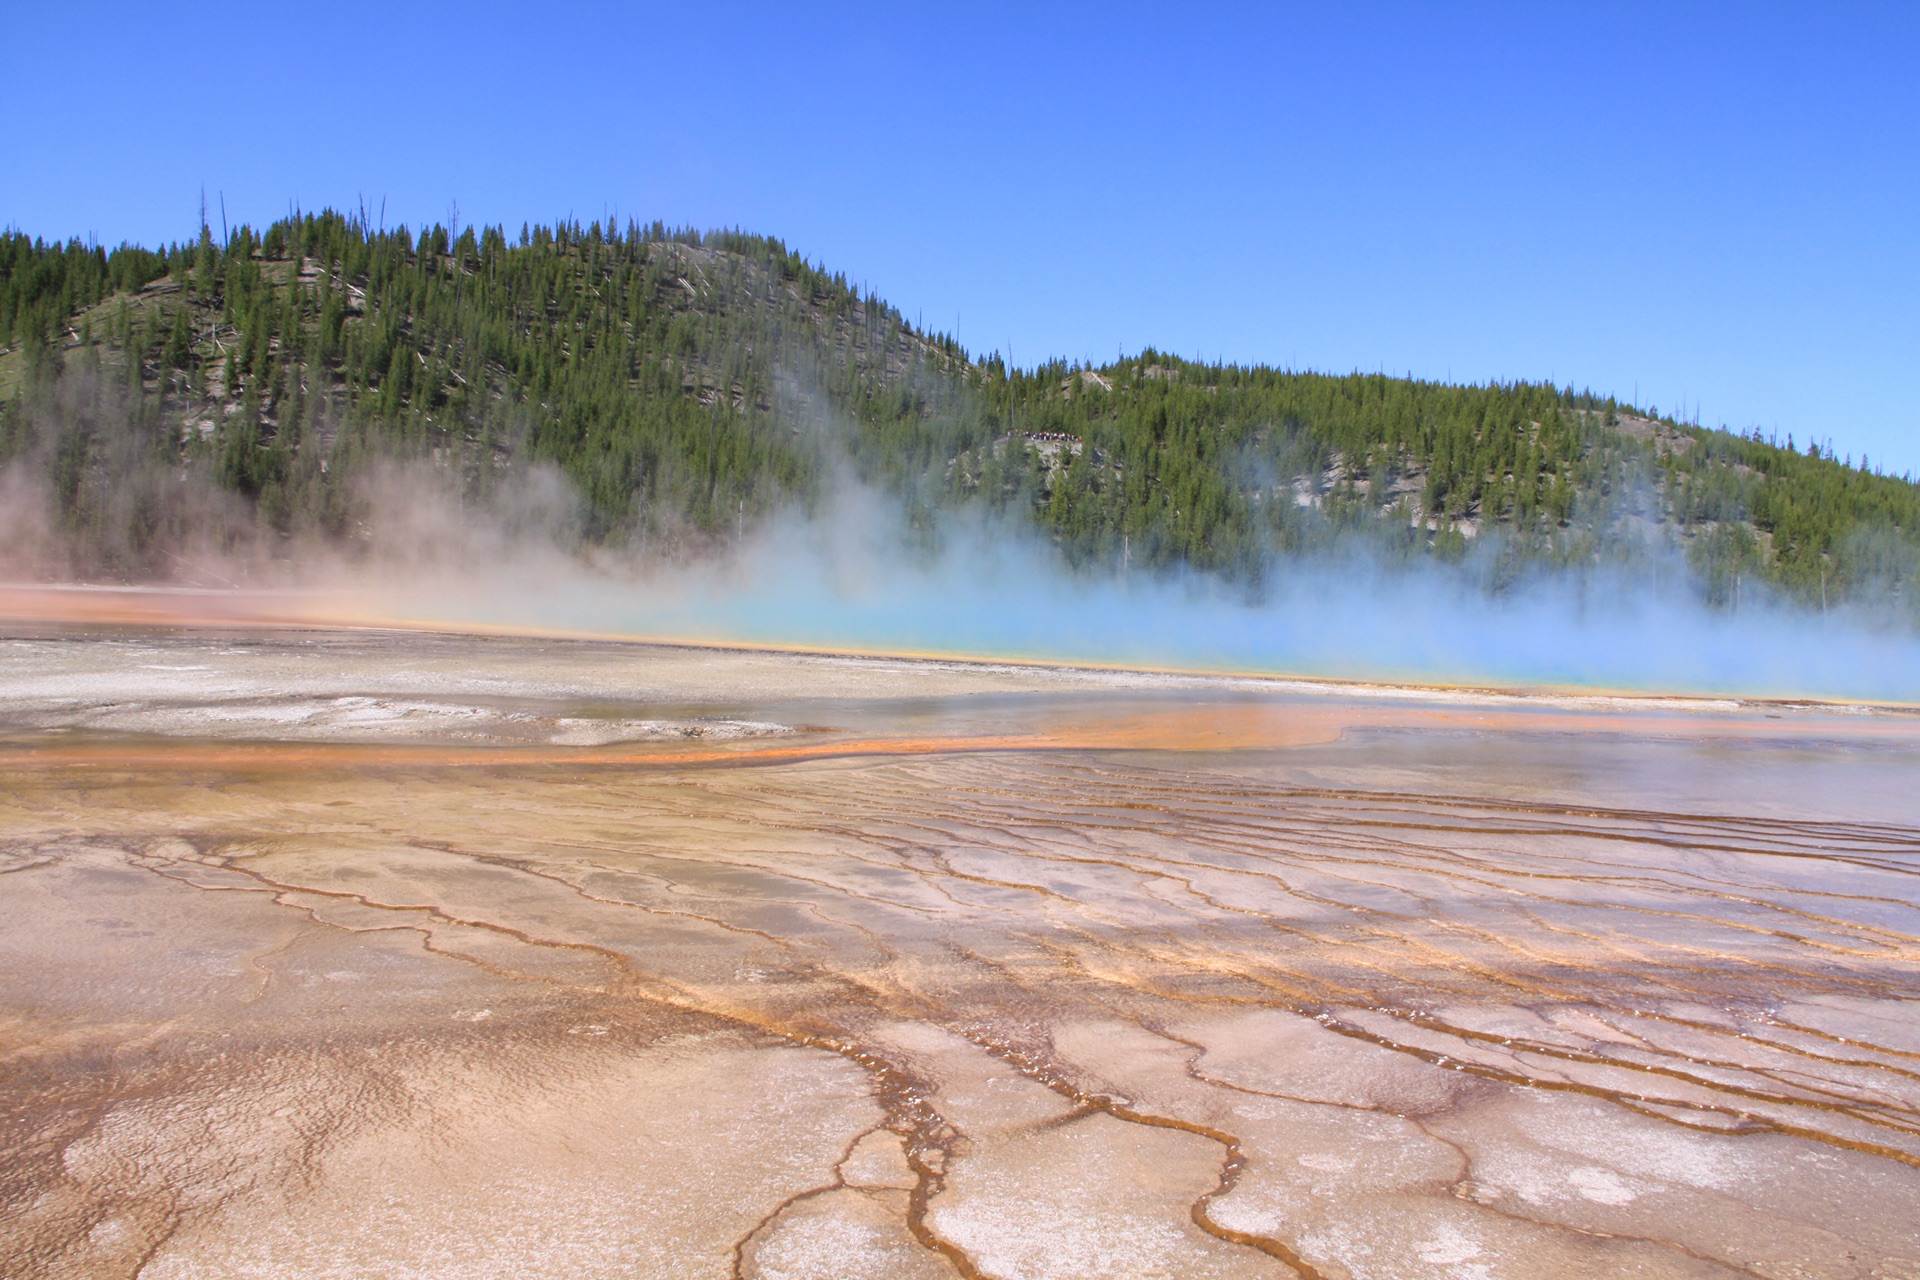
[1178, 730]
[1189, 727]
[204, 754]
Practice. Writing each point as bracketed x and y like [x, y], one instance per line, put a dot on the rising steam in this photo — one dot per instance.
[859, 581]
[853, 577]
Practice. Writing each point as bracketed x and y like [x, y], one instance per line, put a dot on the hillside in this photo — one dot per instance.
[689, 385]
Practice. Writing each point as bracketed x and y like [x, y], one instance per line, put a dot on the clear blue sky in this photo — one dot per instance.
[1716, 205]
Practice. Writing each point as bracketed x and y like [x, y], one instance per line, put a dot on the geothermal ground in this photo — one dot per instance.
[375, 954]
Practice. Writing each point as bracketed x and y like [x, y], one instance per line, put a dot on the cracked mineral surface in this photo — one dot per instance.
[344, 954]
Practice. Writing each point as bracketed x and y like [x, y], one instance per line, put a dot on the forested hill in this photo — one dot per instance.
[691, 384]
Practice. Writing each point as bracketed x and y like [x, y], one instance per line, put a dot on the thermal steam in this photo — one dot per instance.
[859, 580]
[851, 575]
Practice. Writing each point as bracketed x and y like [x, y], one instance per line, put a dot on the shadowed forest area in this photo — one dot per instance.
[234, 394]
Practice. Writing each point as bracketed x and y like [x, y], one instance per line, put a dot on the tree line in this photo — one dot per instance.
[688, 384]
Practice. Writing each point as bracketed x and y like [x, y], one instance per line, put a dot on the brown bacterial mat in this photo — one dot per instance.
[361, 955]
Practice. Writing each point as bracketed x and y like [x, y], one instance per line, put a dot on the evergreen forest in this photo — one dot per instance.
[689, 385]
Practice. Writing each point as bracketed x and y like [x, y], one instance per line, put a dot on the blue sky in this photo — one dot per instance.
[1713, 207]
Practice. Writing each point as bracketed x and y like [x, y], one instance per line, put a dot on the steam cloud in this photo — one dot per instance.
[859, 580]
[854, 577]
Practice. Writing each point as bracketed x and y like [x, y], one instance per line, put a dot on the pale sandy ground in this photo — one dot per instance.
[856, 968]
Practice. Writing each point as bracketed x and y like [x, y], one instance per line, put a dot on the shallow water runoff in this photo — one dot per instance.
[361, 953]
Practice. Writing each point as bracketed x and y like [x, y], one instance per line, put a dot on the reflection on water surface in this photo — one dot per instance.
[360, 955]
